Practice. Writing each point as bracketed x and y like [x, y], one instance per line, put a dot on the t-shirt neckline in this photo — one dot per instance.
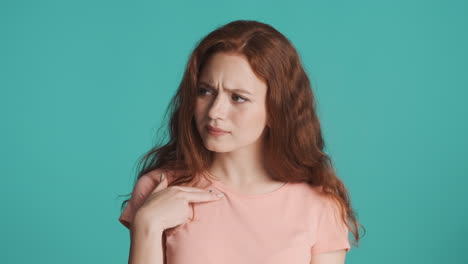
[228, 190]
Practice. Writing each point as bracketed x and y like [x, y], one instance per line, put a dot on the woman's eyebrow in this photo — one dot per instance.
[231, 90]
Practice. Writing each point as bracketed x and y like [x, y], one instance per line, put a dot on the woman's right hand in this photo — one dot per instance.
[168, 207]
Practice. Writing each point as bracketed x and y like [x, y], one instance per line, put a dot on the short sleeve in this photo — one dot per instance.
[142, 189]
[332, 232]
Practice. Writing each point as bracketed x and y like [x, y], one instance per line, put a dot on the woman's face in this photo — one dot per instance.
[230, 97]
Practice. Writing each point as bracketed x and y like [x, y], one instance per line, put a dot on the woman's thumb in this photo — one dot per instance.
[162, 183]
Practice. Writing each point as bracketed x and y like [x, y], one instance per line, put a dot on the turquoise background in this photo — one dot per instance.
[84, 86]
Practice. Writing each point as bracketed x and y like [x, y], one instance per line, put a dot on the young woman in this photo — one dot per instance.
[243, 125]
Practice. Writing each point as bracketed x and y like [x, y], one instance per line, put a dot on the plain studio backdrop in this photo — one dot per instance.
[84, 86]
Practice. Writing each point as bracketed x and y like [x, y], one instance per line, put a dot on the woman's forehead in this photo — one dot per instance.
[231, 72]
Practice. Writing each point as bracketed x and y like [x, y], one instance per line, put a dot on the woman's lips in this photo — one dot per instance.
[215, 132]
[215, 129]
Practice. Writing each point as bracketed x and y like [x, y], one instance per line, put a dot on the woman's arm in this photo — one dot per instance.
[146, 246]
[332, 257]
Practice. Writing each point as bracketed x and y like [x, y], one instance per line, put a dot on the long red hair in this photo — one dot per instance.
[293, 141]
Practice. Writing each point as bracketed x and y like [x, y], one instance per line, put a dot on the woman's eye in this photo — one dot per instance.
[201, 91]
[236, 96]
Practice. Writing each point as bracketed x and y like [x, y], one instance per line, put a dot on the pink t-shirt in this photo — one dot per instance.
[286, 225]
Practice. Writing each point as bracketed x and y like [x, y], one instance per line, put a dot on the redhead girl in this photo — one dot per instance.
[243, 177]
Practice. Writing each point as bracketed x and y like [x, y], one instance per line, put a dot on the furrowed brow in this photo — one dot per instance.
[231, 90]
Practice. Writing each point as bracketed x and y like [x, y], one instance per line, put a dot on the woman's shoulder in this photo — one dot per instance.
[307, 188]
[149, 180]
[154, 176]
[309, 192]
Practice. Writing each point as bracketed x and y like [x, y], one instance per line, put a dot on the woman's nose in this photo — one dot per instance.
[218, 108]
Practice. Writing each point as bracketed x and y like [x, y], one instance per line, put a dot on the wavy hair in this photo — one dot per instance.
[293, 139]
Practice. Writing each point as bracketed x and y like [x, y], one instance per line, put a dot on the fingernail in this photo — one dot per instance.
[219, 194]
